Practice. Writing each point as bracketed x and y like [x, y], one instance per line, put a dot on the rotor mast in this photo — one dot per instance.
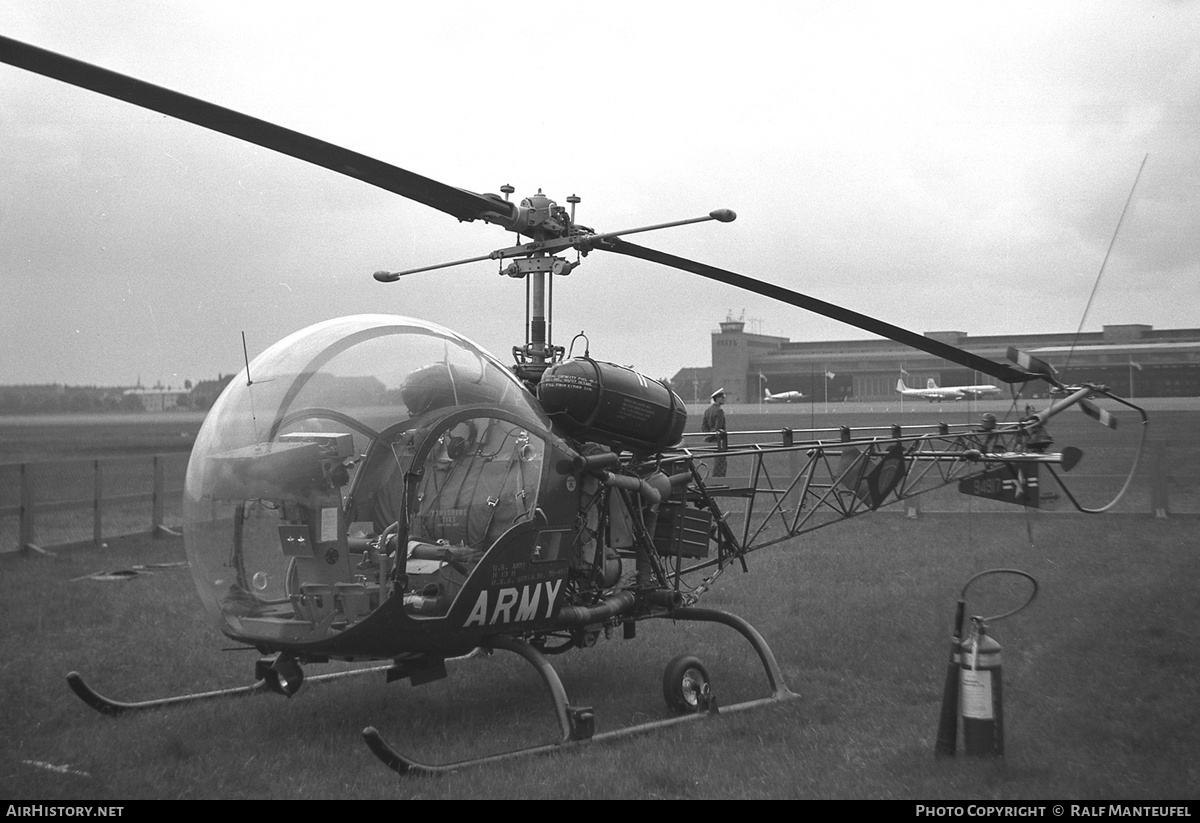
[551, 230]
[544, 220]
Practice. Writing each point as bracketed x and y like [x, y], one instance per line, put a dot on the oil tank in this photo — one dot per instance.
[610, 404]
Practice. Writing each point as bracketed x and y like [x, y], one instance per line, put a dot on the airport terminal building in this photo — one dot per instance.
[1135, 360]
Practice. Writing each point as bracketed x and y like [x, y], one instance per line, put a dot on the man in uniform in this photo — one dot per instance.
[714, 421]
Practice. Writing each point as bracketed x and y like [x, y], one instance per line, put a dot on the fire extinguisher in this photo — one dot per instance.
[981, 692]
[974, 681]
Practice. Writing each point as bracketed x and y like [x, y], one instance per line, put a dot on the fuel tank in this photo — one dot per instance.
[613, 405]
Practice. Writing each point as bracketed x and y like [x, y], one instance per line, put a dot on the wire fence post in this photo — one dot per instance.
[97, 502]
[789, 440]
[156, 513]
[26, 527]
[1159, 494]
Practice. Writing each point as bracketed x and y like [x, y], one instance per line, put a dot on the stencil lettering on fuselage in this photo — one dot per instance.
[514, 604]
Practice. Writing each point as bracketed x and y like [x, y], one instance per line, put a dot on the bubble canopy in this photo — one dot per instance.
[277, 465]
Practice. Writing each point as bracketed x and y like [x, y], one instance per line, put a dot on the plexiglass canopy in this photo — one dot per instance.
[291, 470]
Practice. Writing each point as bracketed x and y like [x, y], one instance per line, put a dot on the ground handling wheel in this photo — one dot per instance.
[282, 675]
[686, 685]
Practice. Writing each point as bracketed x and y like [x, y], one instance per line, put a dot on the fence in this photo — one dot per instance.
[92, 500]
[79, 501]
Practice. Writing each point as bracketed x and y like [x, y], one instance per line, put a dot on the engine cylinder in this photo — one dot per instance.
[611, 404]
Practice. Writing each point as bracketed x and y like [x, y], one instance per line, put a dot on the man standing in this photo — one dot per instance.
[714, 421]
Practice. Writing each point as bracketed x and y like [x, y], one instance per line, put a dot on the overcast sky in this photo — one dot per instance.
[939, 165]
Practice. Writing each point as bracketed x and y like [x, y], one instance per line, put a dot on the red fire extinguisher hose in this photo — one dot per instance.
[962, 597]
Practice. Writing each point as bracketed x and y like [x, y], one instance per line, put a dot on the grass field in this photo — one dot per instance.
[85, 436]
[1101, 679]
[1101, 682]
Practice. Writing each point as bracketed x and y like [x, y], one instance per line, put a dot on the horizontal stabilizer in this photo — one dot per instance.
[1008, 483]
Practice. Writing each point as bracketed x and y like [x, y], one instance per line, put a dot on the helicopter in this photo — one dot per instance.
[380, 488]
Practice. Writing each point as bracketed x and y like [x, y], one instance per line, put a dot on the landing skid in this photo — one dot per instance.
[108, 706]
[577, 723]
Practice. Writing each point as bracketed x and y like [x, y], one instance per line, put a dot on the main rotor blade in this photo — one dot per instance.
[1000, 371]
[458, 203]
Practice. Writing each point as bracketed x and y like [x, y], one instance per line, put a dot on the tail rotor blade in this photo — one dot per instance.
[1033, 364]
[1096, 413]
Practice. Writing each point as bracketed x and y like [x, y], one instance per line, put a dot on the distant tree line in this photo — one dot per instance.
[56, 398]
[59, 399]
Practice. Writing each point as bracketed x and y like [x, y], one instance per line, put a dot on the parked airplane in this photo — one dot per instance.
[782, 397]
[931, 392]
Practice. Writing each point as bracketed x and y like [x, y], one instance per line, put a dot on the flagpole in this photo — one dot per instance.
[1132, 366]
[812, 399]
